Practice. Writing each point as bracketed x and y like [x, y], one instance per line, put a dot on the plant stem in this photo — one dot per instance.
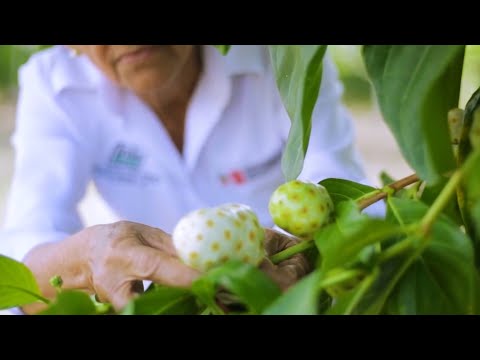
[395, 250]
[363, 288]
[341, 277]
[441, 201]
[374, 196]
[35, 295]
[289, 252]
[395, 211]
[403, 267]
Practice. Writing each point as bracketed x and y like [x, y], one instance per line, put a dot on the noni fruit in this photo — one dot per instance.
[209, 237]
[301, 208]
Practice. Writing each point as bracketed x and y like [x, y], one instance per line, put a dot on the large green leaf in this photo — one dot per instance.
[447, 281]
[440, 280]
[418, 293]
[163, 301]
[341, 242]
[298, 71]
[371, 301]
[416, 86]
[301, 299]
[71, 303]
[341, 189]
[429, 195]
[17, 284]
[249, 283]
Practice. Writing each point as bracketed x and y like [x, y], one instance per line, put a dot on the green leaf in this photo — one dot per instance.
[102, 308]
[416, 86]
[417, 293]
[163, 301]
[341, 190]
[440, 280]
[71, 303]
[424, 290]
[430, 194]
[298, 71]
[301, 299]
[223, 49]
[249, 283]
[445, 271]
[411, 211]
[386, 178]
[17, 284]
[354, 301]
[205, 290]
[342, 242]
[372, 300]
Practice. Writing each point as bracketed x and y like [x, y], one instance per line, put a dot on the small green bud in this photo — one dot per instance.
[56, 281]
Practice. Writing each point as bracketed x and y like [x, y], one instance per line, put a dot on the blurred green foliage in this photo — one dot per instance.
[11, 58]
[358, 90]
[351, 69]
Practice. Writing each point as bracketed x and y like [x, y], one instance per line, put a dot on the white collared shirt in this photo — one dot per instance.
[74, 126]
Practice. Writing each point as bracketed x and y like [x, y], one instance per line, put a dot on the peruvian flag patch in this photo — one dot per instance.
[236, 177]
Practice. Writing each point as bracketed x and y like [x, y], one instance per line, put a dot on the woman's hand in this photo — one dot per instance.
[110, 261]
[289, 271]
[122, 254]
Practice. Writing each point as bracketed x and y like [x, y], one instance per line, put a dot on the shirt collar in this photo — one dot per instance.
[79, 73]
[75, 72]
[246, 59]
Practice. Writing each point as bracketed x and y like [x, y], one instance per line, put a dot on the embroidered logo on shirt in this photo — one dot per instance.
[127, 157]
[242, 176]
[124, 165]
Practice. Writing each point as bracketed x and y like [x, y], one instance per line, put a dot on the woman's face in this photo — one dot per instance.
[142, 68]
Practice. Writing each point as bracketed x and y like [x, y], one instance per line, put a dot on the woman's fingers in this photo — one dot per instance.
[161, 268]
[156, 238]
[289, 271]
[297, 263]
[276, 241]
[123, 254]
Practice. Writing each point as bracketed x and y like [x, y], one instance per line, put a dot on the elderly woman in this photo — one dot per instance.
[161, 130]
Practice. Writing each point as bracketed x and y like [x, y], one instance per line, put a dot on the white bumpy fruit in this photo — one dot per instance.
[301, 208]
[209, 237]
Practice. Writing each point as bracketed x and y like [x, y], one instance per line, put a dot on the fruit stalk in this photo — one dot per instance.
[293, 250]
[370, 199]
